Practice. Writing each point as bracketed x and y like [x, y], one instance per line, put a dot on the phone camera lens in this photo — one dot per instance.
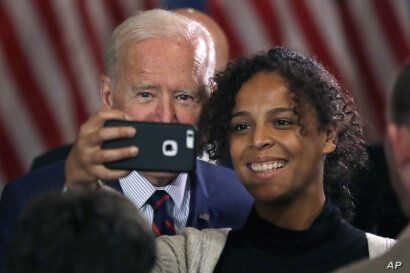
[169, 147]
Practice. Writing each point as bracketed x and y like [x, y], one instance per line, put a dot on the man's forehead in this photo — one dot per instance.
[150, 56]
[141, 77]
[156, 45]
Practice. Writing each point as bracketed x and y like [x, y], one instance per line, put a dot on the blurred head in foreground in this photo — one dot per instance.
[398, 138]
[72, 232]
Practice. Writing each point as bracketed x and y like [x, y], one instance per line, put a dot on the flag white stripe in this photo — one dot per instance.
[402, 10]
[380, 57]
[293, 36]
[22, 133]
[101, 21]
[43, 63]
[234, 11]
[80, 54]
[246, 20]
[326, 11]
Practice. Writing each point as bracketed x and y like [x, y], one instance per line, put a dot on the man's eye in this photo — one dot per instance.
[184, 97]
[144, 94]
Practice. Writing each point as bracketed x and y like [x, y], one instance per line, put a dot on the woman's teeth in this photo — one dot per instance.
[267, 166]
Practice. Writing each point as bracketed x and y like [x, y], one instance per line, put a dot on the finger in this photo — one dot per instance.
[109, 133]
[98, 120]
[104, 173]
[108, 155]
[114, 114]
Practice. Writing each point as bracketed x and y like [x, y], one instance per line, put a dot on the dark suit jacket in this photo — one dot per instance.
[218, 199]
[51, 156]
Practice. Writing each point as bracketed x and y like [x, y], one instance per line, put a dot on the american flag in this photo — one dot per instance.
[51, 54]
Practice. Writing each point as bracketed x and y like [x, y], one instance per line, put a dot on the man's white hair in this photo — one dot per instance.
[162, 24]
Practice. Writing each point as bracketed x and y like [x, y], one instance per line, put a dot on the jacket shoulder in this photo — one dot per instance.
[204, 166]
[36, 182]
[220, 180]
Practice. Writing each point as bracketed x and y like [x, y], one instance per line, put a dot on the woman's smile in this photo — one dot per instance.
[266, 167]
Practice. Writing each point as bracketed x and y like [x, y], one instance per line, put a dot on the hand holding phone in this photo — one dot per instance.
[162, 147]
[84, 166]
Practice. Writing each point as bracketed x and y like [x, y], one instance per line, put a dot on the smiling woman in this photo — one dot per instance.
[294, 139]
[275, 162]
[315, 99]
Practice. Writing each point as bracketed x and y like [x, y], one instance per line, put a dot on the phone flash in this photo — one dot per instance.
[190, 139]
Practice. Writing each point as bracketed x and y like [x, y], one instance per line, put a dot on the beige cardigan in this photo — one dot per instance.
[191, 251]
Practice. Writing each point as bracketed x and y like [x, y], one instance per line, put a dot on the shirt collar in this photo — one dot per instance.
[139, 189]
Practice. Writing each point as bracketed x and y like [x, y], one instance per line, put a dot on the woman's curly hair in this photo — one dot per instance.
[310, 83]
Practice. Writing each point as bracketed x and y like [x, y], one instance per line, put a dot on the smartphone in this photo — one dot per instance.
[162, 147]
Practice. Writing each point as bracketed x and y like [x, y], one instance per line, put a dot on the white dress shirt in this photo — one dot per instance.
[138, 189]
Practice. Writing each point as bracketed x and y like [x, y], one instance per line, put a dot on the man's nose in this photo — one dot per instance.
[166, 111]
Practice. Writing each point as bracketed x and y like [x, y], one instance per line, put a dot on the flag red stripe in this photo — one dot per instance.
[10, 164]
[312, 34]
[392, 29]
[355, 43]
[91, 36]
[28, 86]
[116, 12]
[150, 4]
[217, 12]
[270, 19]
[55, 32]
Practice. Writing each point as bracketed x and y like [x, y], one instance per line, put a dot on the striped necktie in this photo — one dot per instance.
[162, 223]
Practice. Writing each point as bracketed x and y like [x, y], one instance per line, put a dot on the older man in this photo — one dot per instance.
[222, 58]
[159, 66]
[398, 151]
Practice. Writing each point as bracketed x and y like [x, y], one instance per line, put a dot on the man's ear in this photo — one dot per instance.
[106, 92]
[399, 138]
[331, 139]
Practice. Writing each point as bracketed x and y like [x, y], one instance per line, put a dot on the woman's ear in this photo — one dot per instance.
[106, 92]
[331, 139]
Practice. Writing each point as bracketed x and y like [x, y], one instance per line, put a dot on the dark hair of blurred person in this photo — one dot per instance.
[97, 232]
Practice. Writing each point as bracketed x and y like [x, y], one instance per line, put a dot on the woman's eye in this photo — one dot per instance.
[283, 123]
[240, 127]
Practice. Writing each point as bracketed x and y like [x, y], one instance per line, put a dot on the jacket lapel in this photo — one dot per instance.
[201, 215]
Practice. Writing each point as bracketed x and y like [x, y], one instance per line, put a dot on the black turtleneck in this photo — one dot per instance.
[260, 246]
